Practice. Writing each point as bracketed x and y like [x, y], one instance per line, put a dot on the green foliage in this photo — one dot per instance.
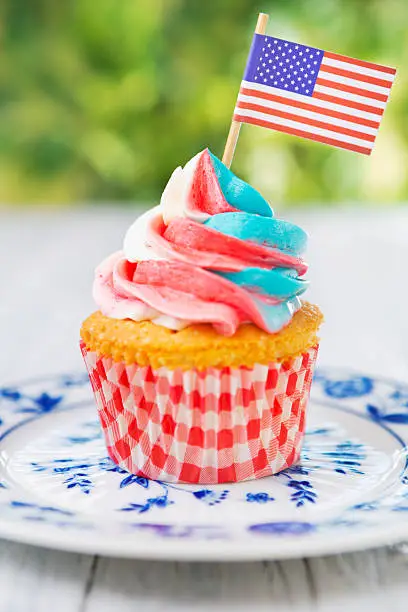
[101, 99]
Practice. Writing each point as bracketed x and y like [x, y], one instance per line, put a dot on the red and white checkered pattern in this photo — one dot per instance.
[211, 426]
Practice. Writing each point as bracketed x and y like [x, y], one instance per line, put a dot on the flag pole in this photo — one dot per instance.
[236, 125]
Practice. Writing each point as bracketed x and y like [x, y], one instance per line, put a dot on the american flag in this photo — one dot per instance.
[313, 93]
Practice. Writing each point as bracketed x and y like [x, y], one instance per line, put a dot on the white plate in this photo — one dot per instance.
[58, 488]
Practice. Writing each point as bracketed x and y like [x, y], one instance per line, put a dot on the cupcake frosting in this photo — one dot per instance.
[212, 252]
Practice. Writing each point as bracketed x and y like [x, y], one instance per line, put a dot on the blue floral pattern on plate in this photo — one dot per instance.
[54, 470]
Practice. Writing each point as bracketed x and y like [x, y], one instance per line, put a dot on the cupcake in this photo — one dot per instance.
[201, 354]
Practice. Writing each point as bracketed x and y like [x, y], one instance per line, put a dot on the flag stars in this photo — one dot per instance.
[284, 65]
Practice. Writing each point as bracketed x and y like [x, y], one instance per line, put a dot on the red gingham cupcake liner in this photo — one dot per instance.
[212, 426]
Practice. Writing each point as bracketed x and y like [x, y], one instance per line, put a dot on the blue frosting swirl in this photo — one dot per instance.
[237, 192]
[256, 223]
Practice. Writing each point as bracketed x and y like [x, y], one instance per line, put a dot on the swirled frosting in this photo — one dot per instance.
[212, 252]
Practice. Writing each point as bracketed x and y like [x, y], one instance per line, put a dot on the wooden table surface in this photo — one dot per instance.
[358, 273]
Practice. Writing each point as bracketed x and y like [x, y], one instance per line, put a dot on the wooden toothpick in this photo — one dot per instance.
[236, 125]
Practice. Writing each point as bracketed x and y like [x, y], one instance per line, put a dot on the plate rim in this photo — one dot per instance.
[174, 549]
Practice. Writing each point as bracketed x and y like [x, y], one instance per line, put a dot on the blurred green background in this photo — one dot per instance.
[101, 99]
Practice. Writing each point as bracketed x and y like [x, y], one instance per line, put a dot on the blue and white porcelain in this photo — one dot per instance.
[59, 489]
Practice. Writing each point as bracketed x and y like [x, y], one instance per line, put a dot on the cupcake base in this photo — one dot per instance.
[208, 426]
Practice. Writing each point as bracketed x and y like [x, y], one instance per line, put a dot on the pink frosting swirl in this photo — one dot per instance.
[177, 270]
[146, 289]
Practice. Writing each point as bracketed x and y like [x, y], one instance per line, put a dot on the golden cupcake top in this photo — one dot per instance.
[199, 346]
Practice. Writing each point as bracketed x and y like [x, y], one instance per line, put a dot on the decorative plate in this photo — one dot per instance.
[350, 491]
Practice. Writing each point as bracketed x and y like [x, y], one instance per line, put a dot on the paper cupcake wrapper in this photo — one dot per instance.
[212, 426]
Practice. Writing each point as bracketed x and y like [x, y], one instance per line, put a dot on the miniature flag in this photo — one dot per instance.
[314, 94]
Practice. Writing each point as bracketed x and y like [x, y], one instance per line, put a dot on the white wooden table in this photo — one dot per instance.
[358, 270]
